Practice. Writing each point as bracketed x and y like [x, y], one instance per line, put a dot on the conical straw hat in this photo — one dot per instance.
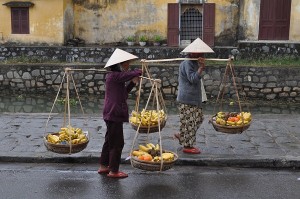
[197, 46]
[119, 56]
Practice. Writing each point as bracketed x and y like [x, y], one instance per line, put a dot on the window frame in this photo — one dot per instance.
[20, 20]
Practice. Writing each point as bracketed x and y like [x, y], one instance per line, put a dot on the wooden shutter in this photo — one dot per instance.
[24, 12]
[20, 20]
[274, 21]
[209, 24]
[15, 22]
[173, 24]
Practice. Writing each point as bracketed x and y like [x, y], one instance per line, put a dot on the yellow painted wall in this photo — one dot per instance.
[295, 21]
[226, 21]
[45, 21]
[105, 21]
[226, 15]
[5, 24]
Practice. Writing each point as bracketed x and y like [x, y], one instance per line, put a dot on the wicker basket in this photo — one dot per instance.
[229, 129]
[153, 166]
[65, 148]
[151, 129]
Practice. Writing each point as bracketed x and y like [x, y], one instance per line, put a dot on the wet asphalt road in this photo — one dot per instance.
[45, 181]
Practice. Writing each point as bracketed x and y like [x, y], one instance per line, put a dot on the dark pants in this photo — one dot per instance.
[113, 145]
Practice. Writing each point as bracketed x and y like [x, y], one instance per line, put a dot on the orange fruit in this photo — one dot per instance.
[231, 119]
[236, 119]
[147, 158]
[141, 157]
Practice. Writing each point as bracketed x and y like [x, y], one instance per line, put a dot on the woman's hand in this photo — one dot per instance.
[136, 80]
[202, 65]
[201, 60]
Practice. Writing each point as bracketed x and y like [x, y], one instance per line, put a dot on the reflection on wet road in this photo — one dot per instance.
[93, 105]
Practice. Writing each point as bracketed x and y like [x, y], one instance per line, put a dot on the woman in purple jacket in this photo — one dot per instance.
[119, 82]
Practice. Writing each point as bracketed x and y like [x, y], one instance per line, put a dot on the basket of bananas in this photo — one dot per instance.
[67, 140]
[148, 121]
[148, 157]
[231, 122]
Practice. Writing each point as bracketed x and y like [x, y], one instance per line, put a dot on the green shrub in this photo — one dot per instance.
[143, 38]
[157, 38]
[130, 38]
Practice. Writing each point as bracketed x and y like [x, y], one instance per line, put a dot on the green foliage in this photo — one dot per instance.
[157, 38]
[73, 102]
[130, 39]
[143, 38]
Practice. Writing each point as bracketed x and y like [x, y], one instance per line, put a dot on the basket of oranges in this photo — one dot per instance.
[231, 122]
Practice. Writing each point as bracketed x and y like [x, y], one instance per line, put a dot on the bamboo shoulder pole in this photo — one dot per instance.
[182, 59]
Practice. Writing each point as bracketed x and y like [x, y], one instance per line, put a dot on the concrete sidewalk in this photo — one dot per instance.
[273, 140]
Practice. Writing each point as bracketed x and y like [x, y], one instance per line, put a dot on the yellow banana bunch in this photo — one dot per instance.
[144, 148]
[247, 116]
[68, 135]
[53, 139]
[135, 120]
[168, 156]
[147, 117]
[138, 153]
[150, 145]
[220, 121]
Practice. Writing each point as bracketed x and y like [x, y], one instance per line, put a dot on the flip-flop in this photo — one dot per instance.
[103, 171]
[120, 174]
[192, 150]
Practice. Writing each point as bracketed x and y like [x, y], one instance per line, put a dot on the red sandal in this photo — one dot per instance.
[192, 150]
[119, 174]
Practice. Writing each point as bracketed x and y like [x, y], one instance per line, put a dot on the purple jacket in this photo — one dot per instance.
[116, 94]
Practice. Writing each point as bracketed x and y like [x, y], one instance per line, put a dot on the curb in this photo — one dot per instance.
[250, 162]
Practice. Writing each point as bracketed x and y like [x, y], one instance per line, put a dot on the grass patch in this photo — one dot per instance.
[25, 59]
[267, 62]
[291, 61]
[277, 61]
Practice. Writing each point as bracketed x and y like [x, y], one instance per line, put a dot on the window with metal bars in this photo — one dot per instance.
[191, 24]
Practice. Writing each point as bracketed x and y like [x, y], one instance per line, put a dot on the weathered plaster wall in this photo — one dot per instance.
[112, 21]
[46, 23]
[295, 21]
[68, 20]
[249, 19]
[226, 21]
[4, 24]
